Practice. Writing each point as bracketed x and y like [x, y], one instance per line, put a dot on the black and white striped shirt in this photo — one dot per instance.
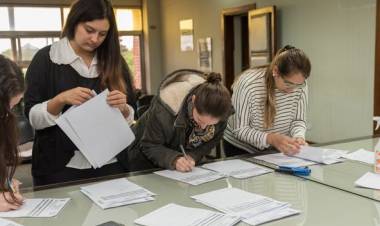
[245, 128]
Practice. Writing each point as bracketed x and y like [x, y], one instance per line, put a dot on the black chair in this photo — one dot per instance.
[26, 132]
[143, 103]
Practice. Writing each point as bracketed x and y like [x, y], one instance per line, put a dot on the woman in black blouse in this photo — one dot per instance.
[63, 74]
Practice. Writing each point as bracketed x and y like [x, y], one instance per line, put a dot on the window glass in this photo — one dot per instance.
[37, 19]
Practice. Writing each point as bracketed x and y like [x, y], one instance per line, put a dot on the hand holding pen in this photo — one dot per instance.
[9, 202]
[184, 163]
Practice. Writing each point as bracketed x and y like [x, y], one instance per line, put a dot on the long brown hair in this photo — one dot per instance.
[108, 53]
[213, 98]
[288, 60]
[11, 85]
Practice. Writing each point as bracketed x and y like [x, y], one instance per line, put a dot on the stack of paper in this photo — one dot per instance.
[98, 130]
[4, 222]
[195, 177]
[117, 192]
[362, 155]
[252, 208]
[176, 215]
[280, 159]
[237, 168]
[37, 208]
[369, 180]
[320, 155]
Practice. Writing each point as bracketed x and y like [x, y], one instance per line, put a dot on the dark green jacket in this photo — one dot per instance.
[162, 129]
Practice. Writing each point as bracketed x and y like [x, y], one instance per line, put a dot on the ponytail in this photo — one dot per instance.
[213, 98]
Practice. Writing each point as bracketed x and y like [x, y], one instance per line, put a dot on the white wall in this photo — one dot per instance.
[338, 36]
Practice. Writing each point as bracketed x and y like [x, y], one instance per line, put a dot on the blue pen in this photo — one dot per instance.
[300, 171]
[10, 187]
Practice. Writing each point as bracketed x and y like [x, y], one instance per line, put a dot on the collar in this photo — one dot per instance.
[61, 52]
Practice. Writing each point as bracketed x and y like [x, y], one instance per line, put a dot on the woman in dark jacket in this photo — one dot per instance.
[190, 110]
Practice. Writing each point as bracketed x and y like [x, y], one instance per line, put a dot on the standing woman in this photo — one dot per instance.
[11, 92]
[63, 74]
[270, 104]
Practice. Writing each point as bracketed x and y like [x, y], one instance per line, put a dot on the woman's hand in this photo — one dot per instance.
[285, 144]
[11, 205]
[301, 141]
[118, 99]
[184, 164]
[75, 96]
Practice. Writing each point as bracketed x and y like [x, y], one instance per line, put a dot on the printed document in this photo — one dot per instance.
[237, 168]
[116, 192]
[176, 215]
[37, 208]
[195, 177]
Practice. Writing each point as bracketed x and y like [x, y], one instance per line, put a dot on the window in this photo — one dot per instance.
[22, 37]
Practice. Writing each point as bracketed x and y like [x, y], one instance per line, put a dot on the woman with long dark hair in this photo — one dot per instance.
[64, 74]
[11, 92]
[270, 104]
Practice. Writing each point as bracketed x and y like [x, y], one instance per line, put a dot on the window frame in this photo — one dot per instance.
[16, 36]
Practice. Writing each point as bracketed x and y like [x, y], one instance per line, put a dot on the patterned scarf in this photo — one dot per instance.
[197, 135]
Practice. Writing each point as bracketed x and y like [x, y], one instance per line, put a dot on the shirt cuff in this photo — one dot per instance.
[40, 118]
[131, 117]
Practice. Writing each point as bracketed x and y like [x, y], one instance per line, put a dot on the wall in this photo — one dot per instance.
[338, 36]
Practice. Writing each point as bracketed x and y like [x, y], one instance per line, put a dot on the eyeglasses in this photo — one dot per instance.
[293, 85]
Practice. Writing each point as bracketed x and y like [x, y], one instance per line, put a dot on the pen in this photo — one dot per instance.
[183, 151]
[10, 187]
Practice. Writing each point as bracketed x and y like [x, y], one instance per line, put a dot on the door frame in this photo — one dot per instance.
[228, 40]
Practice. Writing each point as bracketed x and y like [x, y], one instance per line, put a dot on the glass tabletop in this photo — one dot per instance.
[344, 174]
[319, 204]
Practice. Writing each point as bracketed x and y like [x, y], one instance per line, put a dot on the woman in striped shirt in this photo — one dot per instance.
[270, 104]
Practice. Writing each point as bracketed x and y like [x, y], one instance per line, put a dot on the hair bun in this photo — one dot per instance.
[214, 78]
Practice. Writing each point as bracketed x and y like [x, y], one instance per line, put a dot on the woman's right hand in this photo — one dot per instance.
[75, 96]
[11, 205]
[184, 164]
[285, 144]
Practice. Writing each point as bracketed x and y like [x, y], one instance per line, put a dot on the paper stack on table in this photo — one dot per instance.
[362, 155]
[306, 157]
[117, 192]
[195, 177]
[280, 159]
[252, 208]
[98, 130]
[237, 168]
[321, 155]
[176, 215]
[369, 180]
[37, 208]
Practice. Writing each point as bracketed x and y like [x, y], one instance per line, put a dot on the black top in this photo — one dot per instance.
[52, 149]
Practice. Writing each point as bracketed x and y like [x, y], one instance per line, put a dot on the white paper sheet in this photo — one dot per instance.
[280, 159]
[271, 216]
[361, 155]
[320, 155]
[195, 177]
[176, 215]
[369, 180]
[237, 168]
[238, 202]
[116, 192]
[98, 130]
[4, 222]
[37, 208]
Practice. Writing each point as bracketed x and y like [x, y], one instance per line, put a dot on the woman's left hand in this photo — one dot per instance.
[118, 99]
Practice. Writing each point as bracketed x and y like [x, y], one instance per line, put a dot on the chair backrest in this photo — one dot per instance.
[143, 103]
[26, 131]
